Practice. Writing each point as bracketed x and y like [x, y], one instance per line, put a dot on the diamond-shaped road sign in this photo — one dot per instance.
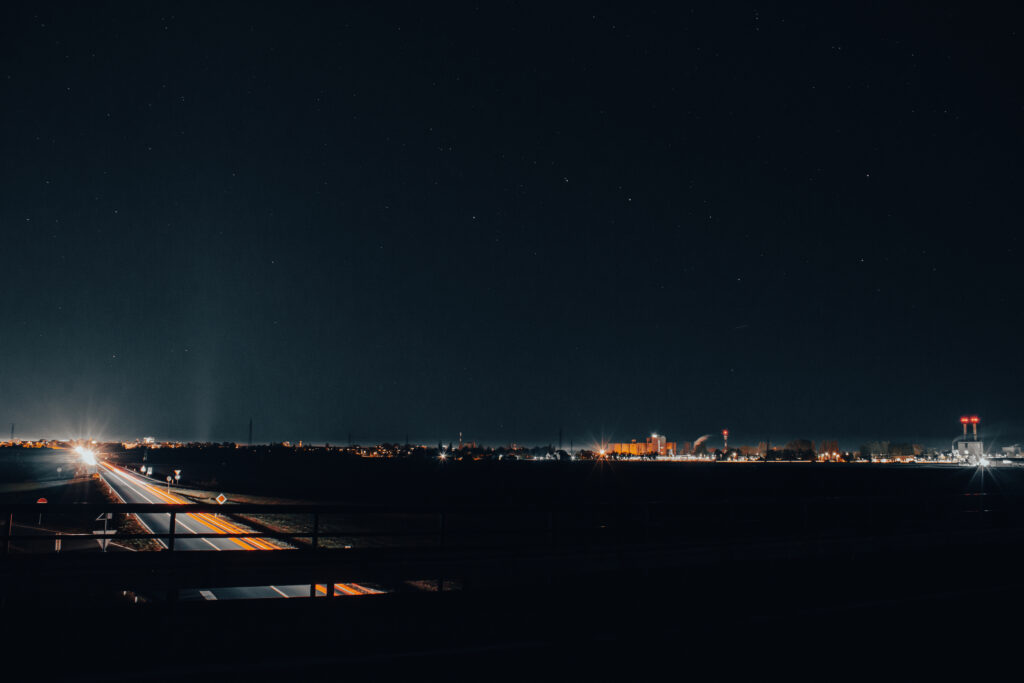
[221, 499]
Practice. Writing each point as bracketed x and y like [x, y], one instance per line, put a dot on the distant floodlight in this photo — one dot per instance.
[87, 456]
[983, 462]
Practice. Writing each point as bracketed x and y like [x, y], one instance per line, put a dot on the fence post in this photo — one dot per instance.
[170, 535]
[316, 531]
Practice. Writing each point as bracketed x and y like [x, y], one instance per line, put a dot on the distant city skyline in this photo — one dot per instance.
[736, 440]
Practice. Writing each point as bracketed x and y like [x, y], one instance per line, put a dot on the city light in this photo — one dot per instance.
[87, 456]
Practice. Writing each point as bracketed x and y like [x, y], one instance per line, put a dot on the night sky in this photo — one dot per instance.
[387, 220]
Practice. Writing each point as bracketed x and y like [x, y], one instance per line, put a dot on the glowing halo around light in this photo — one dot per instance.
[88, 456]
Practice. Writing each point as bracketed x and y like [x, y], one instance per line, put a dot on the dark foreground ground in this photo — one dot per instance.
[887, 615]
[918, 576]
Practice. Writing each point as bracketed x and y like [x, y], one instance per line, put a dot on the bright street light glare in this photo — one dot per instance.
[87, 456]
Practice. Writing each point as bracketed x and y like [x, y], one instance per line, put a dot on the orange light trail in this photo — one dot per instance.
[348, 589]
[222, 526]
[209, 521]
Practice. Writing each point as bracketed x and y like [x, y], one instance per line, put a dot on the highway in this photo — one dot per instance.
[133, 488]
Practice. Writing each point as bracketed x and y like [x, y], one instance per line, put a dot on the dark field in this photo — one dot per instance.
[339, 479]
[38, 466]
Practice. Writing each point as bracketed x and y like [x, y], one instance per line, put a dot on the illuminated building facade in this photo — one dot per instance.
[656, 444]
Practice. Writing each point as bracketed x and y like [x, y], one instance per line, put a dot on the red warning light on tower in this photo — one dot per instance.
[975, 419]
[964, 420]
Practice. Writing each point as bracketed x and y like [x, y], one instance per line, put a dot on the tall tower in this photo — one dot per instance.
[725, 438]
[972, 449]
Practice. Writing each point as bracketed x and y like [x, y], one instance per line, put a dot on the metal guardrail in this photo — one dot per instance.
[315, 535]
[548, 520]
[479, 542]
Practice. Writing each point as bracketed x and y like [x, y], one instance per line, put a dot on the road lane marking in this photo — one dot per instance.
[206, 519]
[125, 480]
[137, 516]
[216, 524]
[207, 595]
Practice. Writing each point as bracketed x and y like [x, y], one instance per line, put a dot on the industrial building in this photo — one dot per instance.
[656, 444]
[970, 449]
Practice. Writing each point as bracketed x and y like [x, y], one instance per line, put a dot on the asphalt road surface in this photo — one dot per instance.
[134, 488]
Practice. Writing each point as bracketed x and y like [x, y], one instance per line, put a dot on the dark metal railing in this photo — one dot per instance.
[617, 522]
[475, 542]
